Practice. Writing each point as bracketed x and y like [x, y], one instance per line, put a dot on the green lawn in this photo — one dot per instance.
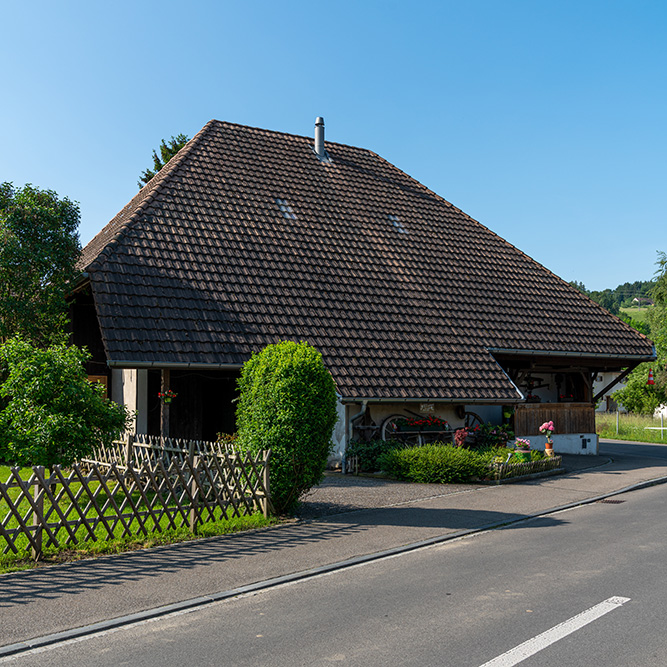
[638, 314]
[630, 427]
[86, 546]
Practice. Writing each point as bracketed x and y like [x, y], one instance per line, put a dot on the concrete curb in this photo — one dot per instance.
[193, 603]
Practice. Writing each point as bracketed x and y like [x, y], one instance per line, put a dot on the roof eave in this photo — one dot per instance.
[574, 355]
[130, 364]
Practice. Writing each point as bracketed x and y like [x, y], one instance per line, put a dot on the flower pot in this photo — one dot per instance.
[549, 450]
[167, 400]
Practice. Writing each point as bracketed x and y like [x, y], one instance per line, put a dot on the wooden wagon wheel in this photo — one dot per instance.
[390, 431]
[472, 419]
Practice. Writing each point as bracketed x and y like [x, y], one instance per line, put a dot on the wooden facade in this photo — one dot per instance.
[567, 417]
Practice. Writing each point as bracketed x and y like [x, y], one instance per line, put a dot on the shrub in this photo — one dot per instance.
[52, 414]
[368, 453]
[494, 435]
[288, 404]
[437, 464]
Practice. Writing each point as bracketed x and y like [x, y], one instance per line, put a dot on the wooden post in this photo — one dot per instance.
[164, 407]
[191, 451]
[128, 451]
[38, 515]
[194, 491]
[267, 487]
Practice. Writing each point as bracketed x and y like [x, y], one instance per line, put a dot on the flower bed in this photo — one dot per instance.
[448, 464]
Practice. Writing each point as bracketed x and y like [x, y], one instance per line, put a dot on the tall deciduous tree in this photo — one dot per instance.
[39, 247]
[52, 414]
[638, 396]
[167, 151]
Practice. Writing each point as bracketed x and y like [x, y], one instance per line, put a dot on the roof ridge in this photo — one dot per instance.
[298, 136]
[147, 195]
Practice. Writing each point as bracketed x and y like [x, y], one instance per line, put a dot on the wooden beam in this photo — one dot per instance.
[615, 381]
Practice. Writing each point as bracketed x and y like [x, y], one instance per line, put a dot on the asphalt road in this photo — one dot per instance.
[635, 449]
[463, 603]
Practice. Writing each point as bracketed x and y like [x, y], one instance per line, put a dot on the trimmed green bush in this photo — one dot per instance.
[446, 464]
[288, 404]
[436, 464]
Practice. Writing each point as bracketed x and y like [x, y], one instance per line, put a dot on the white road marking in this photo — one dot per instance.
[536, 644]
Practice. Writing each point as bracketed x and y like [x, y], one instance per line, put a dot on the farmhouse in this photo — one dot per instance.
[250, 236]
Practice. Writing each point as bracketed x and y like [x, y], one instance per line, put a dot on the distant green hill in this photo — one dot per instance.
[635, 313]
[622, 297]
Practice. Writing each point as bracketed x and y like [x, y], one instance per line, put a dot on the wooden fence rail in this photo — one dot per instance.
[136, 488]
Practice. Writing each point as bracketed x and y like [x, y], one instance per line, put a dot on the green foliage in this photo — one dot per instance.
[637, 396]
[622, 296]
[368, 453]
[493, 435]
[435, 464]
[39, 247]
[607, 299]
[288, 404]
[637, 325]
[659, 291]
[167, 151]
[53, 415]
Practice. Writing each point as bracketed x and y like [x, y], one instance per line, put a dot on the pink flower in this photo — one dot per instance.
[547, 426]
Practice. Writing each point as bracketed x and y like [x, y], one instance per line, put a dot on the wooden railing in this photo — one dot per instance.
[567, 417]
[139, 488]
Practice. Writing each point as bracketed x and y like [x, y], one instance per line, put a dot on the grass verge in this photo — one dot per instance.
[631, 427]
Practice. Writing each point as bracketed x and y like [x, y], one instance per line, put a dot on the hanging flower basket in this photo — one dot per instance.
[167, 396]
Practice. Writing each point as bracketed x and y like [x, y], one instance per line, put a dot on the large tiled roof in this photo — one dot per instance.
[247, 238]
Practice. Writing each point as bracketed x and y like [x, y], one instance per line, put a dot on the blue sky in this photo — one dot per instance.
[544, 120]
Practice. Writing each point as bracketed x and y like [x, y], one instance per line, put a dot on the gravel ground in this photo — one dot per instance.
[345, 493]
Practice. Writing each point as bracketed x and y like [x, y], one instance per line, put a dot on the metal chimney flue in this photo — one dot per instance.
[319, 139]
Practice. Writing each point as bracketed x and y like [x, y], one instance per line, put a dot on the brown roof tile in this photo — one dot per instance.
[246, 238]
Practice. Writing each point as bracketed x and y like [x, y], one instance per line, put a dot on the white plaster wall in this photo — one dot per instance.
[603, 381]
[339, 436]
[567, 443]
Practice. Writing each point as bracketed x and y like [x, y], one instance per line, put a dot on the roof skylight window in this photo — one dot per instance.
[397, 223]
[286, 209]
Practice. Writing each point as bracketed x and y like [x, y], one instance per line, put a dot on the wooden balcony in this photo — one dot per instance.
[567, 418]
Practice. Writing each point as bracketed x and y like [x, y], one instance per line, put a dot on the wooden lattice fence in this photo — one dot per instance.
[508, 470]
[137, 487]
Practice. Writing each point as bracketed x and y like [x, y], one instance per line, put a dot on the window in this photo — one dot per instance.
[397, 223]
[286, 209]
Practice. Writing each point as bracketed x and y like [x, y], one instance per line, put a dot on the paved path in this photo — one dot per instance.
[57, 598]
